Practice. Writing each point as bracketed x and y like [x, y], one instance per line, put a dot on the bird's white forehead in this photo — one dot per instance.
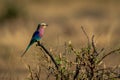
[43, 24]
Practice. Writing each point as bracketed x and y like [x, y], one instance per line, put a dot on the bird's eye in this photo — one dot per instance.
[44, 25]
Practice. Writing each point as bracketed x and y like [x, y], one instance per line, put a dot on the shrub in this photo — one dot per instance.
[85, 65]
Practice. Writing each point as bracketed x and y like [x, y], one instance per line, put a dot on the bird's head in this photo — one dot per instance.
[42, 25]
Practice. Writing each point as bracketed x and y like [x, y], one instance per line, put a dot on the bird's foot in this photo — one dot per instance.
[38, 43]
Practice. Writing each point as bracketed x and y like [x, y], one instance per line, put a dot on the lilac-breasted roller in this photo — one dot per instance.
[36, 36]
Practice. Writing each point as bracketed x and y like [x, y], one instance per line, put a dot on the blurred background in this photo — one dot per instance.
[19, 19]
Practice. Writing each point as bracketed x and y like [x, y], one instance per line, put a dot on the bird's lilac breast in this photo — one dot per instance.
[41, 32]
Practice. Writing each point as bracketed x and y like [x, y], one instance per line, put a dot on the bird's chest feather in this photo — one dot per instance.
[41, 32]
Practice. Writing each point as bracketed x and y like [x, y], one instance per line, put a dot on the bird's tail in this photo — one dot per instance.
[25, 50]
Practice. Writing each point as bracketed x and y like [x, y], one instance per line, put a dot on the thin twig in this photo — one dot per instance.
[31, 74]
[113, 78]
[48, 53]
[77, 69]
[108, 54]
[94, 48]
[86, 36]
[101, 50]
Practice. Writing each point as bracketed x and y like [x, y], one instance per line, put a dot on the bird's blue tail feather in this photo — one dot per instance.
[26, 50]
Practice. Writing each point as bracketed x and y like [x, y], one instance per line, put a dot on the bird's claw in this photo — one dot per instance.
[38, 43]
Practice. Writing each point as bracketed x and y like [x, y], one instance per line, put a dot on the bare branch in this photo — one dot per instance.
[94, 48]
[48, 53]
[116, 50]
[86, 36]
[113, 78]
[31, 74]
[101, 50]
[77, 69]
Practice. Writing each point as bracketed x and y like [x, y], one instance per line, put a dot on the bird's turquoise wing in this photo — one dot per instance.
[34, 39]
[36, 36]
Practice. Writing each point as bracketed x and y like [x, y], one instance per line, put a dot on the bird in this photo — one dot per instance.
[37, 35]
